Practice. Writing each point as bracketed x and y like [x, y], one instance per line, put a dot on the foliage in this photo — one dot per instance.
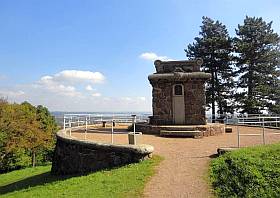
[127, 181]
[215, 47]
[257, 46]
[244, 69]
[26, 131]
[248, 172]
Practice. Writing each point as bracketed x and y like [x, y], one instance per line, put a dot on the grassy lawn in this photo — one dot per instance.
[127, 181]
[247, 172]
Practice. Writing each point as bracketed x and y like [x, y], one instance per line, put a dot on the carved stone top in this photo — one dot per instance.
[186, 66]
[178, 76]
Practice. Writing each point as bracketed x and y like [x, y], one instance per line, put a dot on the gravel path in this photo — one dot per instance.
[183, 172]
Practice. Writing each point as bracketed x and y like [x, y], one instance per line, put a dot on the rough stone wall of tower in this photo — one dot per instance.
[189, 75]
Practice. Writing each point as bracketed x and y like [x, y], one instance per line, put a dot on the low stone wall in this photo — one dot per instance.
[74, 156]
[210, 129]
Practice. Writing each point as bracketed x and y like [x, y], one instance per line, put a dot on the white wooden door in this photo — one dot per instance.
[178, 104]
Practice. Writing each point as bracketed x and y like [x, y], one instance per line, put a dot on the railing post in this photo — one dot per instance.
[263, 133]
[133, 122]
[226, 120]
[112, 132]
[63, 122]
[86, 123]
[70, 125]
[238, 134]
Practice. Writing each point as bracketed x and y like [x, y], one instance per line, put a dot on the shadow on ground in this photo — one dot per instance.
[33, 181]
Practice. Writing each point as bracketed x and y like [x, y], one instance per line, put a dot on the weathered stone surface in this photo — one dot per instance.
[171, 66]
[186, 73]
[74, 156]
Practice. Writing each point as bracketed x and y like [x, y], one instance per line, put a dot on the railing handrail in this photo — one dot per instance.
[85, 119]
[261, 122]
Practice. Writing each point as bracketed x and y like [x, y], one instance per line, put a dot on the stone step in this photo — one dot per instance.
[195, 134]
[179, 128]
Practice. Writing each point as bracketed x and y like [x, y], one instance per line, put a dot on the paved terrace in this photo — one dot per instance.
[183, 172]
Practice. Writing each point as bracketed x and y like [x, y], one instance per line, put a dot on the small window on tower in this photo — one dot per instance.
[178, 90]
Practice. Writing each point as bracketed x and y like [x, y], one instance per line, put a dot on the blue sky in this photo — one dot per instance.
[96, 55]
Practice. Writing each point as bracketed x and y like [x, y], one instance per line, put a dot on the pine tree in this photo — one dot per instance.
[215, 47]
[258, 56]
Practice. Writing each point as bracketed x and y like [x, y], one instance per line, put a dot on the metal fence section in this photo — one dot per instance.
[236, 118]
[261, 121]
[79, 121]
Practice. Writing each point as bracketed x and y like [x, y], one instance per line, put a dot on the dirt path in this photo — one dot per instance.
[183, 172]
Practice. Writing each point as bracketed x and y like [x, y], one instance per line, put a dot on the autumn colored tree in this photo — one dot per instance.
[27, 132]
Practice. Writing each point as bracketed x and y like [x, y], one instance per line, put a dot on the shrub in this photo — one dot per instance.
[248, 172]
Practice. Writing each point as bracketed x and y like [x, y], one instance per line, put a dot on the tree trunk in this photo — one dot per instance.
[219, 101]
[213, 97]
[250, 90]
[213, 86]
[33, 159]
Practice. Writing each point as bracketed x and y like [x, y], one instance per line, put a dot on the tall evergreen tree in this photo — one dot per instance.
[258, 56]
[214, 45]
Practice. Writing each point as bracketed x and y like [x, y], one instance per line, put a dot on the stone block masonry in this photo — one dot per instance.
[74, 156]
[178, 93]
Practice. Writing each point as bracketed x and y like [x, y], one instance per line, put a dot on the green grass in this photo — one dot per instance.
[247, 172]
[127, 181]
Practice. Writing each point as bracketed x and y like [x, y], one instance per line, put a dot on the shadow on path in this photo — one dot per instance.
[33, 181]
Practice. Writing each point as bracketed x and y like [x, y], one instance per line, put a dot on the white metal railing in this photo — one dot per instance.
[233, 118]
[74, 121]
[259, 121]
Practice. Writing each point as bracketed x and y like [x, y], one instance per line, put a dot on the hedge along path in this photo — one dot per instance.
[183, 172]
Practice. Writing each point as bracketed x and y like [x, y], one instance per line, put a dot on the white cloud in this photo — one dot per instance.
[153, 56]
[8, 94]
[66, 81]
[141, 98]
[89, 88]
[48, 83]
[96, 94]
[66, 92]
[126, 99]
[133, 100]
[74, 76]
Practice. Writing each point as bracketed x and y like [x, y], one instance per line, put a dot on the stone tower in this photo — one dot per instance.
[178, 93]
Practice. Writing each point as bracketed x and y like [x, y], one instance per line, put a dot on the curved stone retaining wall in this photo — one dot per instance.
[74, 156]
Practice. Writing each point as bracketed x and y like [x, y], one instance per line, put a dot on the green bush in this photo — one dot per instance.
[247, 172]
